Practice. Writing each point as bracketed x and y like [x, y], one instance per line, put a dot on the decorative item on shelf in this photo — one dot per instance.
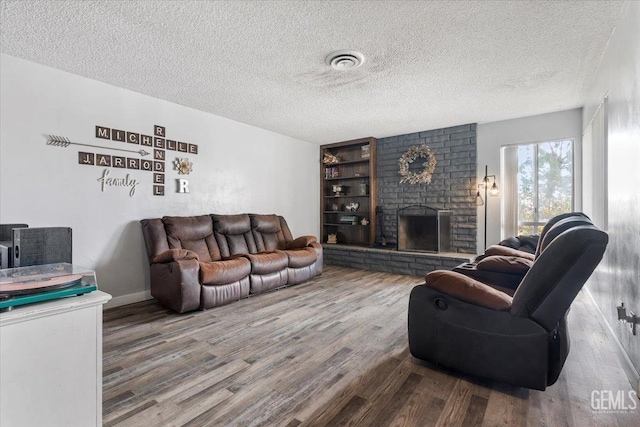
[349, 219]
[330, 158]
[365, 152]
[335, 207]
[353, 206]
[493, 192]
[332, 238]
[424, 176]
[364, 221]
[335, 173]
[338, 190]
[363, 188]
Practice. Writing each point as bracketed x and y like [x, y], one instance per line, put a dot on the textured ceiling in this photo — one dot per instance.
[428, 64]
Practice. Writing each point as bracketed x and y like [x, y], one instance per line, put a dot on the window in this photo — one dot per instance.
[542, 177]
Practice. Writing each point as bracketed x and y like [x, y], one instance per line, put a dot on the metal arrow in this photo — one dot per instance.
[61, 141]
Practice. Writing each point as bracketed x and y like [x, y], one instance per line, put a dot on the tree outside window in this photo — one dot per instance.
[545, 183]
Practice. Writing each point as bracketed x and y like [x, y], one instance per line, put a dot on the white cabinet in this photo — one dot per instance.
[51, 363]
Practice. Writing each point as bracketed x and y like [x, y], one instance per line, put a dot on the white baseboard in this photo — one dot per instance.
[627, 365]
[128, 299]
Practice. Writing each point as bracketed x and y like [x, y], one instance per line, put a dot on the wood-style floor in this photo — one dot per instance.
[331, 352]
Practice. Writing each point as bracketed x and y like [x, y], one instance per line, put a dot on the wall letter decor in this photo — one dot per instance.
[154, 164]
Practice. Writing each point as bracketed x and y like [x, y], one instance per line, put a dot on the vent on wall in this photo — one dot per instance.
[344, 60]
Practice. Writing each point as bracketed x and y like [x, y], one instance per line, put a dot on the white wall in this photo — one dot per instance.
[239, 168]
[617, 278]
[493, 136]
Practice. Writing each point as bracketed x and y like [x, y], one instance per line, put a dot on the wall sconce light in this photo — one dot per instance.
[493, 192]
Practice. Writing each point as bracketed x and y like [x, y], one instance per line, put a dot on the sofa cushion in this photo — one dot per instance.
[265, 223]
[223, 272]
[267, 262]
[155, 237]
[467, 289]
[267, 232]
[524, 242]
[560, 227]
[301, 257]
[233, 233]
[503, 250]
[505, 264]
[232, 224]
[194, 233]
[553, 221]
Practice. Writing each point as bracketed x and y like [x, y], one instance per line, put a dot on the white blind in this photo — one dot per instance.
[509, 214]
[594, 167]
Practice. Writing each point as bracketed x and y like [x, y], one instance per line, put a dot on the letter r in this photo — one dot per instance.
[183, 186]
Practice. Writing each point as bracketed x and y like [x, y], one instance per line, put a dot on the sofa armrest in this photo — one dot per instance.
[467, 289]
[176, 285]
[173, 255]
[506, 251]
[301, 242]
[505, 264]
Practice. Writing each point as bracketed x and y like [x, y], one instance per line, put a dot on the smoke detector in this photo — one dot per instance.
[344, 60]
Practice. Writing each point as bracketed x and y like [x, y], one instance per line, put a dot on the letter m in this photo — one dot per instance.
[102, 132]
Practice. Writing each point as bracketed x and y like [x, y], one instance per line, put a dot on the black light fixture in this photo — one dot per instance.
[479, 199]
[493, 192]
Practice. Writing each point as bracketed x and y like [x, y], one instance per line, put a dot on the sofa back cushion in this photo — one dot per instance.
[285, 229]
[233, 234]
[155, 237]
[560, 227]
[556, 277]
[553, 222]
[267, 232]
[194, 233]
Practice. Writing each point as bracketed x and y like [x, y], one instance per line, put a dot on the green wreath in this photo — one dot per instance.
[422, 177]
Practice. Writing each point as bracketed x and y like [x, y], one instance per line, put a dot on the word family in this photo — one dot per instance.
[118, 182]
[155, 165]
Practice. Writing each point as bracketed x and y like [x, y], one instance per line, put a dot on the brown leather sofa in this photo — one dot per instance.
[200, 262]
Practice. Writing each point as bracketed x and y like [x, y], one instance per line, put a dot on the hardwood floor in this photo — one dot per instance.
[332, 351]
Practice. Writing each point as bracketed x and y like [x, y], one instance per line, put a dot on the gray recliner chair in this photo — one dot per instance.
[461, 323]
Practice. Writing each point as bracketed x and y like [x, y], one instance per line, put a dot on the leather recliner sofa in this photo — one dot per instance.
[200, 262]
[505, 267]
[473, 327]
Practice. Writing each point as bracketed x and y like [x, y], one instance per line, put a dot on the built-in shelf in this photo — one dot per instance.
[343, 225]
[346, 177]
[347, 162]
[355, 195]
[357, 162]
[360, 213]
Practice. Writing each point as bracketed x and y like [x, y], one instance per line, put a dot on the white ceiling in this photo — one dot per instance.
[428, 64]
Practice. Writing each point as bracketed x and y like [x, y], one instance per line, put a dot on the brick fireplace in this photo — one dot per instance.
[452, 183]
[452, 188]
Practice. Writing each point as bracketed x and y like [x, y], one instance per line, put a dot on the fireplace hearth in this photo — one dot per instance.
[424, 229]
